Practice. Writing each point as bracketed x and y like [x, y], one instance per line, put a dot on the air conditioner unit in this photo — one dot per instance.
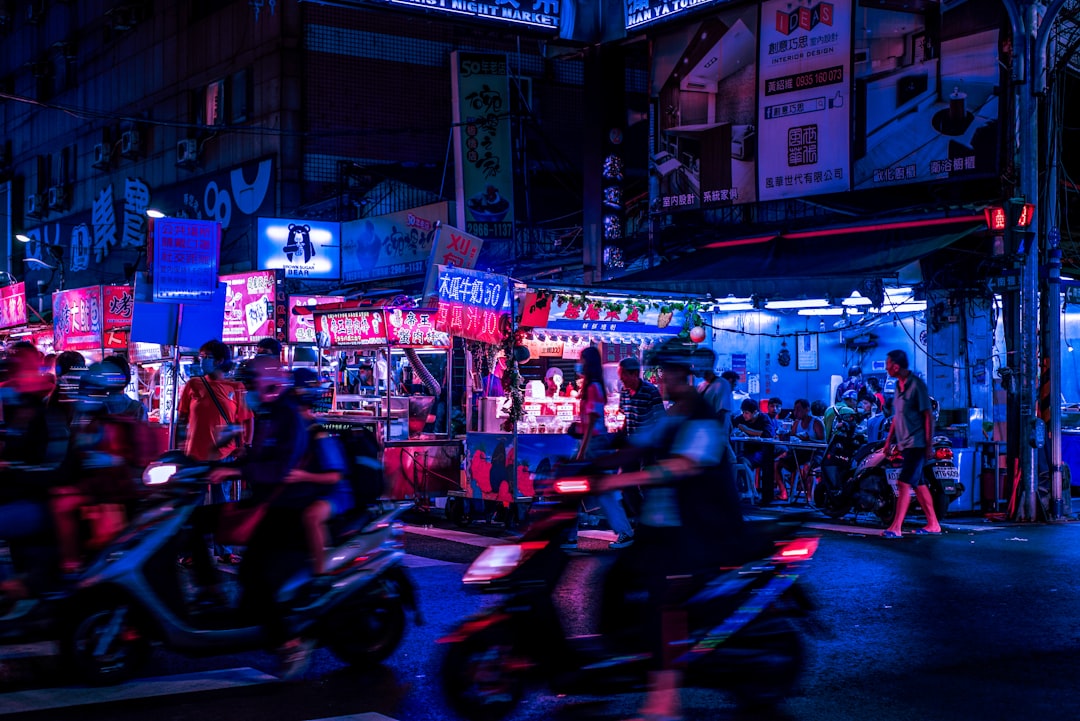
[129, 142]
[187, 151]
[102, 155]
[57, 197]
[34, 206]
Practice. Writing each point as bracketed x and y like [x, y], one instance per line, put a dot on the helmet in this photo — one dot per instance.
[681, 353]
[850, 395]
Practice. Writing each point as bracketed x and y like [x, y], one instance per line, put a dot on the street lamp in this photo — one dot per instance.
[55, 251]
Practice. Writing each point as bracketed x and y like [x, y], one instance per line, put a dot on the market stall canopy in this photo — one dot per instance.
[824, 263]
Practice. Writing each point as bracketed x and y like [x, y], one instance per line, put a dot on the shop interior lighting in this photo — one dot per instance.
[804, 303]
[735, 306]
[154, 213]
[913, 306]
[856, 299]
[23, 237]
[821, 311]
[732, 299]
[1068, 346]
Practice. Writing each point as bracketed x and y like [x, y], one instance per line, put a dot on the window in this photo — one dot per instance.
[240, 97]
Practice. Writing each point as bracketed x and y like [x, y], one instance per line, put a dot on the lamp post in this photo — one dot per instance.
[56, 251]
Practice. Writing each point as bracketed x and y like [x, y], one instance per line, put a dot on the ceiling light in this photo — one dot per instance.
[735, 306]
[154, 213]
[805, 303]
[857, 299]
[821, 311]
[23, 237]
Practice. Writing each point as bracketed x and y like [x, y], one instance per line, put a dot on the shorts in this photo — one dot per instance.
[911, 472]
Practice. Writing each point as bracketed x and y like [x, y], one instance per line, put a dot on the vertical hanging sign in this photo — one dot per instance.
[482, 144]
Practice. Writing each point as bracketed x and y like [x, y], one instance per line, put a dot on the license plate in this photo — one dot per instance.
[946, 473]
[892, 474]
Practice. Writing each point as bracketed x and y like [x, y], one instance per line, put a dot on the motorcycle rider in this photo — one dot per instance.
[690, 523]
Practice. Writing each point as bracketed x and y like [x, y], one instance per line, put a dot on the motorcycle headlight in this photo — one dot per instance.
[499, 561]
[156, 474]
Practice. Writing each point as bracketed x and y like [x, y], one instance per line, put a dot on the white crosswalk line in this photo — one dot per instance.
[446, 534]
[19, 702]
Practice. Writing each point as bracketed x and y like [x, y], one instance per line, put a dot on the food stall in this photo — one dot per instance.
[15, 316]
[301, 347]
[403, 400]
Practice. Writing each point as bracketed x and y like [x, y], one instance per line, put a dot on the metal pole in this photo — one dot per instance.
[1053, 310]
[175, 378]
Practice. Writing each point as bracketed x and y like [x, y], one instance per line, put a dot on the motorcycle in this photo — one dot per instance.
[135, 593]
[836, 490]
[877, 474]
[741, 623]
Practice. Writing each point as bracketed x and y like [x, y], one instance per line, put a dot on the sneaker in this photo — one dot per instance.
[622, 541]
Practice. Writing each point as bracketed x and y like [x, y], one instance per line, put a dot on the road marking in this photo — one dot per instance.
[445, 534]
[20, 702]
[424, 562]
[369, 716]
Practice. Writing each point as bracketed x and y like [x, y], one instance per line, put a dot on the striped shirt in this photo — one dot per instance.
[642, 407]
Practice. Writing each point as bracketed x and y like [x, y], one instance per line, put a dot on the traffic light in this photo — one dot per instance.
[1014, 215]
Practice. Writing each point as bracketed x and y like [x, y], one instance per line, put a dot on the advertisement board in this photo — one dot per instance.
[302, 326]
[542, 14]
[473, 305]
[249, 307]
[77, 319]
[118, 306]
[185, 259]
[391, 245]
[804, 98]
[414, 328]
[13, 305]
[351, 328]
[307, 249]
[703, 77]
[483, 143]
[926, 104]
[571, 314]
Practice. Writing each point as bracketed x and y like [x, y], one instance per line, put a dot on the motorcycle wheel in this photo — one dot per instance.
[771, 658]
[368, 633]
[876, 483]
[483, 676]
[125, 648]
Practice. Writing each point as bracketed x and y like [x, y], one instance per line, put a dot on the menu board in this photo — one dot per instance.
[472, 304]
[302, 325]
[77, 319]
[350, 328]
[249, 307]
[414, 328]
[13, 305]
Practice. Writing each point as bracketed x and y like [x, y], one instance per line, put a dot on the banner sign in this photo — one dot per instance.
[185, 259]
[644, 12]
[13, 305]
[572, 315]
[77, 319]
[483, 142]
[415, 327]
[302, 326]
[473, 305]
[531, 13]
[804, 98]
[391, 245]
[249, 307]
[307, 249]
[451, 247]
[349, 328]
[117, 304]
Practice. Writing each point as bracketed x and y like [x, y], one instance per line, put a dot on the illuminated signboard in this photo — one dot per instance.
[305, 249]
[415, 328]
[249, 307]
[302, 326]
[117, 305]
[391, 245]
[533, 13]
[350, 328]
[472, 304]
[13, 305]
[185, 259]
[77, 319]
[644, 12]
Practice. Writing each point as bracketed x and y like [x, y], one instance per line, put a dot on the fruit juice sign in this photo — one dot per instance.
[473, 305]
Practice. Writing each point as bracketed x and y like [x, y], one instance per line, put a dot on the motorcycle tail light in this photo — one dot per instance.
[943, 454]
[801, 549]
[572, 485]
[500, 561]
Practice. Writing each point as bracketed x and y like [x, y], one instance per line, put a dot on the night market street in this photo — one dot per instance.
[979, 623]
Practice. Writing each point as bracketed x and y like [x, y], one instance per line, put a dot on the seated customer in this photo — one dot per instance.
[753, 423]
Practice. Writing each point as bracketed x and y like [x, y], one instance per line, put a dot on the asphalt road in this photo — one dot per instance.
[983, 622]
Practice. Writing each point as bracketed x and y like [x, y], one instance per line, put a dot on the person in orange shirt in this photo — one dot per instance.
[219, 423]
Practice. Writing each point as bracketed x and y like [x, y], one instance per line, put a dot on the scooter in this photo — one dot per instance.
[876, 476]
[836, 490]
[135, 593]
[741, 621]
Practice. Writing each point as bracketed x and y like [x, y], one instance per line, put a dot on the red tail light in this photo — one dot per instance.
[800, 549]
[943, 454]
[572, 485]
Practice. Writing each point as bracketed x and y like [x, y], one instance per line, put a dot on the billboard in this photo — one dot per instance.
[249, 307]
[307, 249]
[77, 319]
[926, 106]
[391, 245]
[185, 259]
[703, 77]
[352, 328]
[13, 305]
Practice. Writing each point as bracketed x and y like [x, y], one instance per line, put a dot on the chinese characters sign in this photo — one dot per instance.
[249, 307]
[348, 328]
[302, 325]
[451, 247]
[302, 248]
[482, 144]
[644, 12]
[118, 304]
[13, 305]
[77, 319]
[601, 316]
[415, 327]
[185, 259]
[804, 98]
[534, 13]
[391, 245]
[473, 305]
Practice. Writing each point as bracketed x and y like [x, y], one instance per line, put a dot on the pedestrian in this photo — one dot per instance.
[269, 346]
[595, 440]
[873, 387]
[716, 390]
[854, 382]
[912, 430]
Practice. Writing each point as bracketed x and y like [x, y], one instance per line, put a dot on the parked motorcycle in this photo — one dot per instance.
[135, 593]
[877, 474]
[742, 634]
[835, 492]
